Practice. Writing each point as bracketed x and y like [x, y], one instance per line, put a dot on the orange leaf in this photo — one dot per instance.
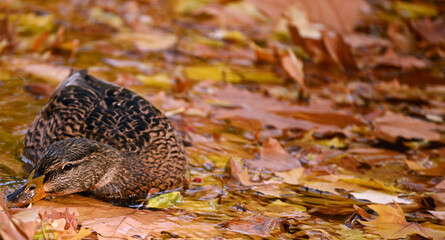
[391, 223]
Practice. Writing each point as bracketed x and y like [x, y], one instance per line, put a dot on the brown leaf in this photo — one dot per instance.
[239, 174]
[40, 89]
[280, 114]
[118, 222]
[392, 126]
[391, 58]
[430, 30]
[274, 157]
[339, 15]
[428, 168]
[15, 229]
[294, 68]
[256, 225]
[338, 50]
[356, 40]
[148, 41]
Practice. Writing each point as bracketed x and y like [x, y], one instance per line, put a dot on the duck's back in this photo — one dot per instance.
[83, 106]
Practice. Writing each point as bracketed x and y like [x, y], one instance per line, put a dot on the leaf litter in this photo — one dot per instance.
[296, 114]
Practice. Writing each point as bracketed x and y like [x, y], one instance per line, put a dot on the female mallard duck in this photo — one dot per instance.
[101, 139]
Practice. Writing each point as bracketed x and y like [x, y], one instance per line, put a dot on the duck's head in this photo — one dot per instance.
[68, 166]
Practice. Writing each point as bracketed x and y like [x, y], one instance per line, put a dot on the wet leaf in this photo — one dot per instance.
[274, 157]
[292, 176]
[239, 174]
[380, 197]
[256, 225]
[391, 223]
[165, 200]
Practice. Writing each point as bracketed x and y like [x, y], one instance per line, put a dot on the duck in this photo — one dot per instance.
[99, 139]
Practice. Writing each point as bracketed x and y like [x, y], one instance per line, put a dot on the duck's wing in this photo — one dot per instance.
[83, 106]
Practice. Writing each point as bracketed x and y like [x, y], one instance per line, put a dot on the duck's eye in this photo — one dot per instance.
[32, 187]
[68, 166]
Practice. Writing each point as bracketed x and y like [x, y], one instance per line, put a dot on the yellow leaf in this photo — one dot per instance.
[165, 200]
[292, 176]
[391, 223]
[83, 232]
[157, 80]
[372, 183]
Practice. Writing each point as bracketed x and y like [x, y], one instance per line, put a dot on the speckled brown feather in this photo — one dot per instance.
[86, 107]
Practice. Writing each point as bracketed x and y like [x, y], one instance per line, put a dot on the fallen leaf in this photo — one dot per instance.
[391, 126]
[428, 168]
[224, 73]
[371, 183]
[430, 30]
[292, 177]
[143, 67]
[380, 197]
[321, 118]
[294, 68]
[414, 10]
[165, 200]
[118, 222]
[71, 221]
[12, 228]
[239, 174]
[48, 72]
[241, 14]
[391, 223]
[391, 58]
[273, 157]
[339, 50]
[256, 225]
[158, 80]
[148, 41]
[340, 16]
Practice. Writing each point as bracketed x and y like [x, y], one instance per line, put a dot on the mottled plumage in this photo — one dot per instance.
[93, 124]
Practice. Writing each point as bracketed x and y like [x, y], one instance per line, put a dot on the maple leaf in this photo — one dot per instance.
[391, 223]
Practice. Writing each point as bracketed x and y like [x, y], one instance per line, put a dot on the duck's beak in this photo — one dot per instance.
[31, 192]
